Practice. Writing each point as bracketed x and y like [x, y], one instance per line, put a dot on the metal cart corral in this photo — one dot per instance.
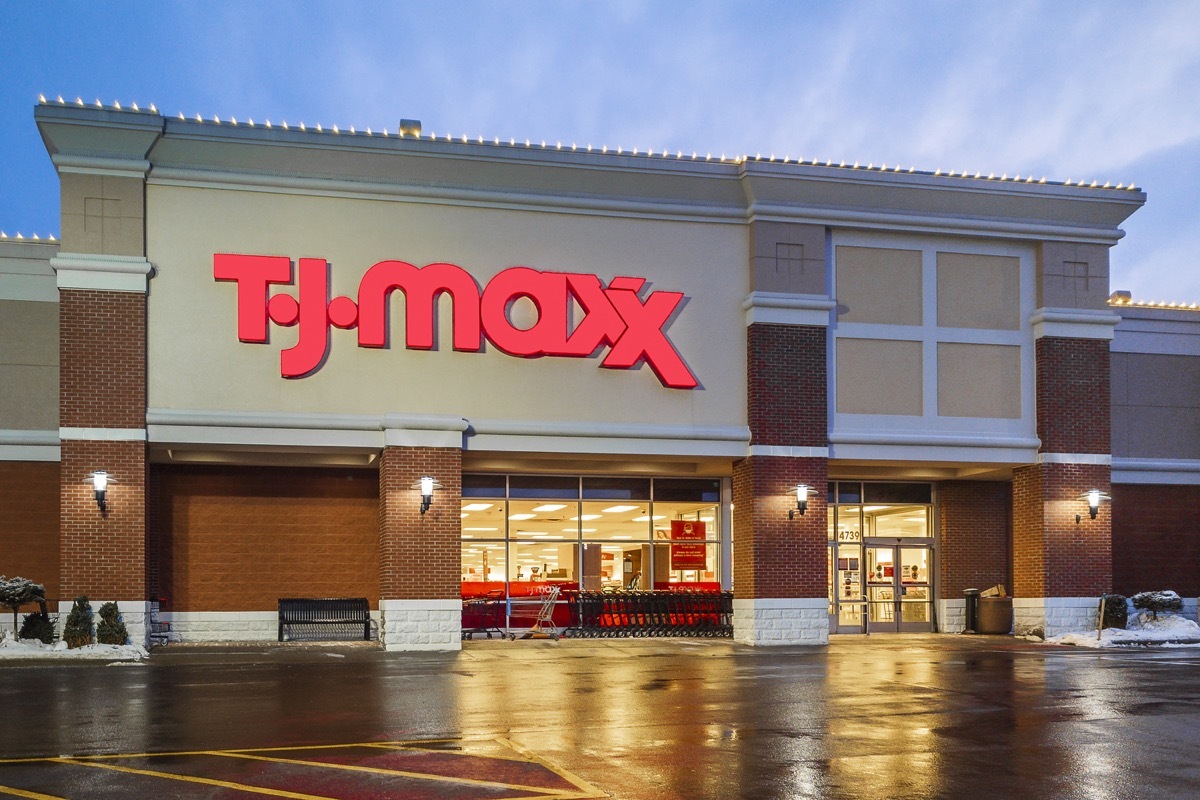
[540, 611]
[484, 615]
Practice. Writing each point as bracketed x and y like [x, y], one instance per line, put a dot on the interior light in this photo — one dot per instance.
[550, 507]
[477, 506]
[618, 509]
[519, 517]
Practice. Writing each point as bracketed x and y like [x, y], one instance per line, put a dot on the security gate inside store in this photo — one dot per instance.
[881, 558]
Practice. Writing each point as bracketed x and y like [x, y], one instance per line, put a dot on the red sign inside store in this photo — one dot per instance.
[615, 316]
[689, 554]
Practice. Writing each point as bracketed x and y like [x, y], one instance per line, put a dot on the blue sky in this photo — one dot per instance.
[1069, 90]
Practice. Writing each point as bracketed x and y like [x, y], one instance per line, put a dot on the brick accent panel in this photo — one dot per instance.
[975, 524]
[786, 384]
[1052, 555]
[102, 359]
[103, 555]
[29, 523]
[1156, 539]
[420, 556]
[774, 557]
[1073, 401]
[239, 538]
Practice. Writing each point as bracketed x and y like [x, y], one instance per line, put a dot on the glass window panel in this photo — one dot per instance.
[849, 492]
[706, 577]
[548, 486]
[482, 569]
[482, 519]
[898, 521]
[613, 519]
[533, 565]
[612, 565]
[483, 485]
[887, 493]
[694, 490]
[616, 488]
[543, 520]
[849, 524]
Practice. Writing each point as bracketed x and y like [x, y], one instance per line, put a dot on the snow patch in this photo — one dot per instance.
[14, 649]
[1143, 629]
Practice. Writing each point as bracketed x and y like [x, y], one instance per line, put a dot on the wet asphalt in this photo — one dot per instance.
[907, 716]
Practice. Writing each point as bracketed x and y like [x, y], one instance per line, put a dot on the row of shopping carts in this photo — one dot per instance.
[648, 613]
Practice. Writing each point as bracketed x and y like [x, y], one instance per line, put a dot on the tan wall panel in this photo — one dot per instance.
[28, 365]
[979, 380]
[28, 397]
[880, 285]
[102, 214]
[1156, 405]
[976, 291]
[28, 332]
[202, 365]
[878, 376]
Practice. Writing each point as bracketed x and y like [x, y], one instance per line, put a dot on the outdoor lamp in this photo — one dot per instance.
[426, 485]
[100, 487]
[1093, 497]
[802, 490]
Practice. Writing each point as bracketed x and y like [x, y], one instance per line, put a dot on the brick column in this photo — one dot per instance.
[419, 554]
[1061, 566]
[780, 564]
[975, 525]
[102, 418]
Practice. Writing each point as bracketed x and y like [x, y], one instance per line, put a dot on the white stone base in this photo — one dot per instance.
[1054, 616]
[221, 626]
[421, 624]
[951, 616]
[134, 613]
[780, 621]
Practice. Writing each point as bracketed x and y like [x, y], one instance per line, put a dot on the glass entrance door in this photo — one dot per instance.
[898, 591]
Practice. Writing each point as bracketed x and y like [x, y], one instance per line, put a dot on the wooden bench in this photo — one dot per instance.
[324, 618]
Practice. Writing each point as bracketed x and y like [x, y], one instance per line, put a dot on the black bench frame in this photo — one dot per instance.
[325, 611]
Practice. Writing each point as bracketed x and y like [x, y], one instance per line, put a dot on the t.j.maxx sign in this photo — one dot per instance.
[613, 316]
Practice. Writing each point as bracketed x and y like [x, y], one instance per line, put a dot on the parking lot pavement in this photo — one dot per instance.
[896, 716]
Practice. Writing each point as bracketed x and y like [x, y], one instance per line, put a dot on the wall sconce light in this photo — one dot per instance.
[100, 489]
[1093, 498]
[426, 485]
[802, 490]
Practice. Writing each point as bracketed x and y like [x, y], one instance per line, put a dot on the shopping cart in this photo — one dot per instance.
[540, 610]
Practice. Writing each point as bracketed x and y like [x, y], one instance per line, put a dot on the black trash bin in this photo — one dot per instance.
[972, 596]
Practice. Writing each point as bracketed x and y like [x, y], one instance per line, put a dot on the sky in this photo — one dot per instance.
[1064, 89]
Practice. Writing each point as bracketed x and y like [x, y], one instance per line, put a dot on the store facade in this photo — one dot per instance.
[616, 367]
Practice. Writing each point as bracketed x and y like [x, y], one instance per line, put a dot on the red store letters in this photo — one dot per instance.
[614, 316]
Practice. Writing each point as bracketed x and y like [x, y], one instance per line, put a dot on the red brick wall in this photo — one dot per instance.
[1073, 400]
[29, 522]
[772, 555]
[1156, 539]
[103, 555]
[239, 538]
[420, 555]
[786, 385]
[1053, 556]
[975, 522]
[102, 359]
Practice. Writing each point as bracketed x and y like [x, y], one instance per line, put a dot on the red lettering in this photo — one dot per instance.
[421, 288]
[547, 290]
[253, 275]
[601, 324]
[645, 339]
[313, 343]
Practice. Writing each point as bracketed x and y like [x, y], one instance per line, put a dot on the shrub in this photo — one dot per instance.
[77, 632]
[1116, 612]
[16, 592]
[37, 626]
[111, 629]
[1155, 602]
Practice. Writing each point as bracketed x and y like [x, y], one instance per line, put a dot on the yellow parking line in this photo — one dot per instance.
[397, 772]
[413, 748]
[569, 777]
[28, 795]
[242, 787]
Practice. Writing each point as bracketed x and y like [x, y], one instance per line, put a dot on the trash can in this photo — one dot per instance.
[972, 596]
[995, 615]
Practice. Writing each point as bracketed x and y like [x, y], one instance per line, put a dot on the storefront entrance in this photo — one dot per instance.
[881, 556]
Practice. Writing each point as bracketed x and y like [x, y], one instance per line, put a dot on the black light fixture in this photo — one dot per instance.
[1093, 498]
[100, 489]
[802, 490]
[426, 485]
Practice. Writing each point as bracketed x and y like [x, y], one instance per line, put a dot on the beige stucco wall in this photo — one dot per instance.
[878, 376]
[1156, 405]
[196, 361]
[978, 291]
[979, 380]
[28, 365]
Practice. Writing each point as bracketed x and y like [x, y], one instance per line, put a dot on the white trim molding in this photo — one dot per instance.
[104, 272]
[1074, 323]
[779, 308]
[778, 451]
[26, 445]
[1099, 459]
[1167, 471]
[102, 434]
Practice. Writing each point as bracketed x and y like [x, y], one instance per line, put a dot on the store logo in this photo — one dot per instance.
[614, 316]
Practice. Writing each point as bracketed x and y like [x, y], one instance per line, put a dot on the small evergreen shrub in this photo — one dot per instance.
[77, 632]
[37, 626]
[16, 592]
[1116, 612]
[111, 630]
[1155, 602]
